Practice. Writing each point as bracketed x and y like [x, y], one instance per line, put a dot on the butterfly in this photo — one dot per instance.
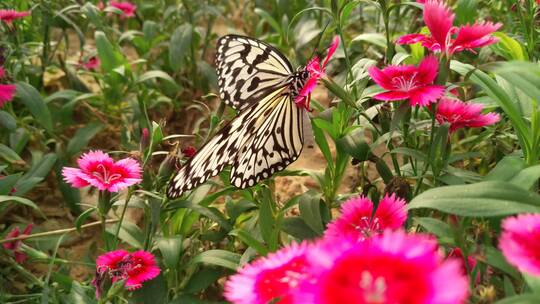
[267, 135]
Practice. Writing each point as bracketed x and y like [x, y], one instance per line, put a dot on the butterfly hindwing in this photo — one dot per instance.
[248, 69]
[277, 142]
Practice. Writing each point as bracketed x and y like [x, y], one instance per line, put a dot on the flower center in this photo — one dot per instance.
[374, 288]
[103, 174]
[368, 227]
[405, 83]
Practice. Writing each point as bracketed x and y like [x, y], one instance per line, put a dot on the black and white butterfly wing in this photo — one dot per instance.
[261, 140]
[276, 142]
[248, 70]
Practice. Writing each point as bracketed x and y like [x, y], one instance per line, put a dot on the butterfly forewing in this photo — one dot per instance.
[248, 70]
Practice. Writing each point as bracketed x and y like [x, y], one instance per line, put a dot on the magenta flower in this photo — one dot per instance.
[92, 63]
[409, 82]
[390, 268]
[15, 246]
[460, 114]
[274, 276]
[9, 15]
[101, 171]
[135, 268]
[316, 71]
[447, 38]
[126, 7]
[520, 244]
[358, 222]
[6, 90]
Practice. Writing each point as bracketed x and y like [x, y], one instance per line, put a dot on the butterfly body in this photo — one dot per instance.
[267, 135]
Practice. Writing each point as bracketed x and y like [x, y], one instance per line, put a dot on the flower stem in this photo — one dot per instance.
[119, 225]
[56, 232]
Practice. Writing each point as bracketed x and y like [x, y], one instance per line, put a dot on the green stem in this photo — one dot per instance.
[121, 220]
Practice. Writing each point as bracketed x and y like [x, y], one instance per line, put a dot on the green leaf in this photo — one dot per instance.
[171, 250]
[296, 227]
[533, 282]
[8, 182]
[484, 199]
[218, 257]
[129, 233]
[35, 104]
[20, 200]
[527, 177]
[157, 74]
[153, 291]
[416, 154]
[83, 217]
[376, 39]
[508, 47]
[202, 279]
[108, 55]
[310, 211]
[321, 141]
[7, 121]
[269, 19]
[505, 169]
[466, 12]
[521, 299]
[496, 259]
[180, 44]
[266, 217]
[441, 229]
[9, 155]
[82, 137]
[355, 145]
[250, 241]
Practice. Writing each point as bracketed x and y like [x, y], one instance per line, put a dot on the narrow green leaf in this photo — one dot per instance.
[202, 279]
[17, 199]
[179, 45]
[82, 137]
[9, 155]
[296, 227]
[35, 104]
[310, 211]
[83, 217]
[7, 121]
[171, 250]
[250, 241]
[218, 257]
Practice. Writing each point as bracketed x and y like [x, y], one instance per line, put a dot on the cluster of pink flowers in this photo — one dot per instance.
[364, 257]
[91, 64]
[417, 84]
[6, 90]
[9, 15]
[15, 246]
[135, 268]
[99, 170]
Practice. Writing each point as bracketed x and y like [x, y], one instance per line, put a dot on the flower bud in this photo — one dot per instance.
[189, 151]
[145, 140]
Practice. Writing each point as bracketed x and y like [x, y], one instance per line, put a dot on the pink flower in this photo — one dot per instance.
[126, 7]
[189, 151]
[390, 268]
[91, 64]
[6, 90]
[460, 114]
[270, 277]
[6, 93]
[101, 171]
[358, 222]
[447, 38]
[135, 268]
[409, 82]
[9, 15]
[316, 71]
[15, 246]
[520, 243]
